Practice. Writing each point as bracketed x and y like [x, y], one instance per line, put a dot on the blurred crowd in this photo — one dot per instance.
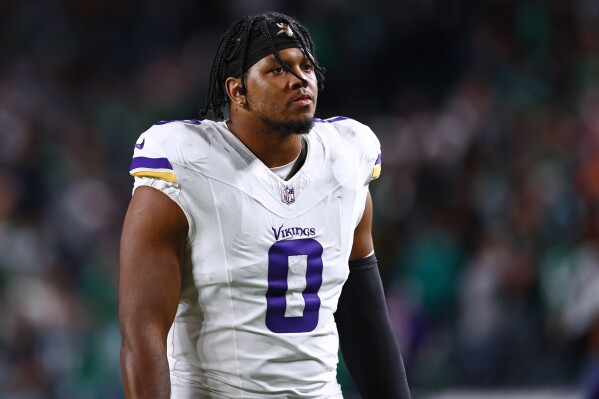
[486, 213]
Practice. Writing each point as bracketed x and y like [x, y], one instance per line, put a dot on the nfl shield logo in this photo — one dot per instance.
[287, 194]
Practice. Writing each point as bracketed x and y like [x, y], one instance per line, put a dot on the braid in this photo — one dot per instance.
[227, 47]
[244, 46]
[236, 39]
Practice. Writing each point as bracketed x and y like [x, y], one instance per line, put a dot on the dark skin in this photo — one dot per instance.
[276, 94]
[152, 248]
[155, 228]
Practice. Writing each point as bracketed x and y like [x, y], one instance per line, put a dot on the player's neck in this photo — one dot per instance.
[272, 148]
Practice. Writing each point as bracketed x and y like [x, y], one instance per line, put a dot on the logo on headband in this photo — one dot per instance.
[284, 29]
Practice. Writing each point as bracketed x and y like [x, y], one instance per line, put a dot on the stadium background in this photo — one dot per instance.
[487, 215]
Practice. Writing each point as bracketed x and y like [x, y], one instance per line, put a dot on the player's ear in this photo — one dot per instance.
[235, 90]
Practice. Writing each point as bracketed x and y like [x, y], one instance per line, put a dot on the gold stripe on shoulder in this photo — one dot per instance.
[166, 176]
[376, 172]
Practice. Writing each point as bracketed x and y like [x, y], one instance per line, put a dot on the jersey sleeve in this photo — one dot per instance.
[152, 166]
[372, 151]
[150, 160]
[364, 139]
[376, 170]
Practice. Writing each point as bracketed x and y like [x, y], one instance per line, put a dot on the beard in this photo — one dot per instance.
[288, 128]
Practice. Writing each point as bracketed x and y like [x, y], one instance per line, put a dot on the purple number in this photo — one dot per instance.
[278, 270]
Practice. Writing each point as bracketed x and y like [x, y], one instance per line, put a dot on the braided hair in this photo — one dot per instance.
[235, 40]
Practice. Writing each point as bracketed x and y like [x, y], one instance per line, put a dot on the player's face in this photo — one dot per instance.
[277, 97]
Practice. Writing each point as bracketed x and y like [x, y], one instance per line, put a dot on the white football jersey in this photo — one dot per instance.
[266, 258]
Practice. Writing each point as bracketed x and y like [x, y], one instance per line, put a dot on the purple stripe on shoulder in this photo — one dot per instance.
[150, 163]
[336, 119]
[378, 160]
[188, 121]
[331, 120]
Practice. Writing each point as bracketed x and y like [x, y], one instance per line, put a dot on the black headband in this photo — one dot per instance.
[259, 46]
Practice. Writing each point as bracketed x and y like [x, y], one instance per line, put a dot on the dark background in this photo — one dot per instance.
[486, 213]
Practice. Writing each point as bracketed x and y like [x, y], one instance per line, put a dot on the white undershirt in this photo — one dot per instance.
[283, 171]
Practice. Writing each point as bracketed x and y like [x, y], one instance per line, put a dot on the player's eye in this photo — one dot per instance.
[278, 69]
[308, 66]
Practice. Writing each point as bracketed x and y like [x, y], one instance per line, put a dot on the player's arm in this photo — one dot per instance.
[365, 334]
[152, 248]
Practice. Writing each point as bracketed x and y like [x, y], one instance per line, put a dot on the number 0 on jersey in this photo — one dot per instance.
[289, 262]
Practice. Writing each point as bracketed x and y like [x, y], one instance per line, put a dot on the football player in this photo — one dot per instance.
[247, 255]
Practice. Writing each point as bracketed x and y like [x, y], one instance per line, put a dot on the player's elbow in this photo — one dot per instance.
[142, 350]
[144, 338]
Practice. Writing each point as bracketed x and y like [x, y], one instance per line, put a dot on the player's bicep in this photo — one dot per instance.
[363, 245]
[152, 250]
